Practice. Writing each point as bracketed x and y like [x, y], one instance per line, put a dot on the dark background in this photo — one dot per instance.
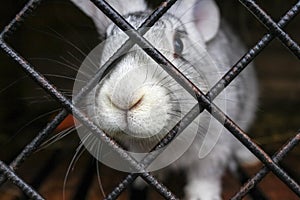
[58, 34]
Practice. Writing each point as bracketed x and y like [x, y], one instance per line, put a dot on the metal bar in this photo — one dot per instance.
[213, 93]
[164, 191]
[267, 21]
[178, 128]
[243, 177]
[122, 186]
[33, 145]
[195, 92]
[51, 126]
[149, 179]
[25, 12]
[264, 171]
[44, 83]
[29, 191]
[251, 54]
[57, 120]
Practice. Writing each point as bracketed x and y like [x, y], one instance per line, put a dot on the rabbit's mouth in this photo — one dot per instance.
[144, 113]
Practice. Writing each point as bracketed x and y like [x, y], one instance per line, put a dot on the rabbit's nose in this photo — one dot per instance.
[126, 104]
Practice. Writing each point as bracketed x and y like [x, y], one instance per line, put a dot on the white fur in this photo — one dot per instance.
[138, 99]
[100, 20]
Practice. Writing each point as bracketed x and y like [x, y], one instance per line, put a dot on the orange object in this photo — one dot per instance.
[68, 122]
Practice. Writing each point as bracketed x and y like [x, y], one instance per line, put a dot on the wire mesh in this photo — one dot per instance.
[205, 100]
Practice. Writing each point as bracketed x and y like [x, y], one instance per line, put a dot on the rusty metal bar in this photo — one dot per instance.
[61, 116]
[205, 99]
[212, 94]
[251, 54]
[47, 86]
[264, 171]
[33, 145]
[267, 21]
[20, 17]
[178, 128]
[39, 78]
[10, 175]
[195, 92]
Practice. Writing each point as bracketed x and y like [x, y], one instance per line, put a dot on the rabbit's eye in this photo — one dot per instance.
[178, 46]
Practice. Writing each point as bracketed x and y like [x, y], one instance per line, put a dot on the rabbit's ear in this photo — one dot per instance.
[100, 20]
[203, 14]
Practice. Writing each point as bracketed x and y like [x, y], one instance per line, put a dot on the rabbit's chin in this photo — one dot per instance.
[134, 143]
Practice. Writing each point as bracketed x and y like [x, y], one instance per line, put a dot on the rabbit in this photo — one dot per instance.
[137, 102]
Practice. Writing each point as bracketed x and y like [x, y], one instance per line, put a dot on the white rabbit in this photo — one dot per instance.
[137, 103]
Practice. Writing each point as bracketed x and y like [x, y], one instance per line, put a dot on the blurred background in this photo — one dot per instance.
[56, 39]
